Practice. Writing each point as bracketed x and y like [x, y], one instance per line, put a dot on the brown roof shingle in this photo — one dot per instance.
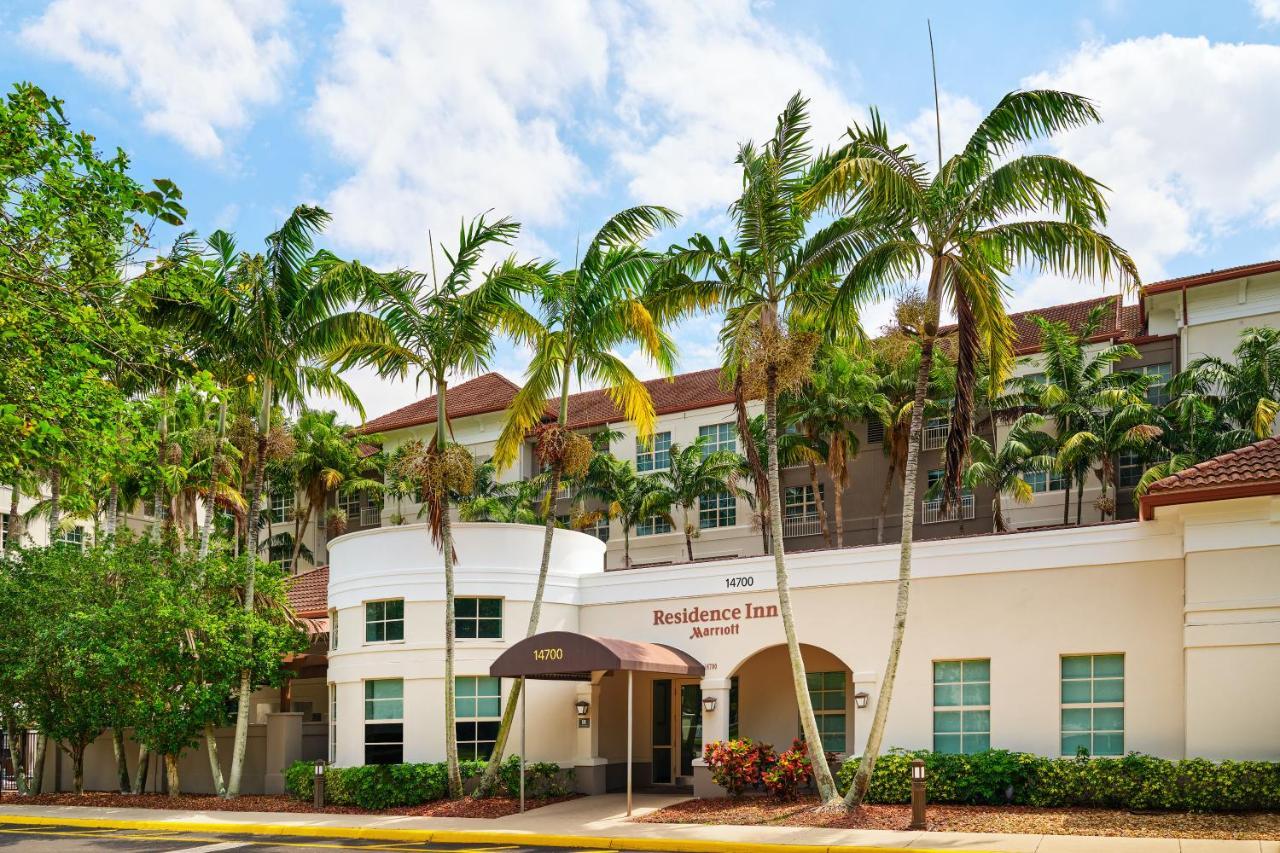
[489, 392]
[309, 591]
[1211, 277]
[1248, 471]
[1122, 325]
[681, 393]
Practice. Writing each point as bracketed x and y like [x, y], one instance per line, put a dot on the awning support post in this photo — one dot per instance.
[524, 703]
[631, 679]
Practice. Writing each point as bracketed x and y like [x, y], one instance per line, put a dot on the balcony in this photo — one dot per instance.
[802, 525]
[935, 433]
[931, 511]
[370, 515]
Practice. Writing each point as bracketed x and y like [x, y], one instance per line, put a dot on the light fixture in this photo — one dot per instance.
[861, 698]
[319, 766]
[583, 706]
[708, 703]
[919, 819]
[917, 770]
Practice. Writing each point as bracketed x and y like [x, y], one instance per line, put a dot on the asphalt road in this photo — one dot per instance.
[74, 839]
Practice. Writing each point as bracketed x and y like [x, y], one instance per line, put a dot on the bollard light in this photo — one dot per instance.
[583, 706]
[918, 820]
[319, 784]
[708, 703]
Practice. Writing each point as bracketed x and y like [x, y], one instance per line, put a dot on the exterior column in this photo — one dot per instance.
[589, 766]
[284, 746]
[715, 726]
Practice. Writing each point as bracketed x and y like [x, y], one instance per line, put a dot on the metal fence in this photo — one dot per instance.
[931, 511]
[8, 781]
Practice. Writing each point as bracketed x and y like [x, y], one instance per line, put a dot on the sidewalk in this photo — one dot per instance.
[601, 822]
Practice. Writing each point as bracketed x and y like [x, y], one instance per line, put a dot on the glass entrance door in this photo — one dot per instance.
[690, 726]
[661, 732]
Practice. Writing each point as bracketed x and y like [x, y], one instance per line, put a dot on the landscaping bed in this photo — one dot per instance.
[489, 807]
[758, 811]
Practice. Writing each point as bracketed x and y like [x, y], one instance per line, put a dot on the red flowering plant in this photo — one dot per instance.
[737, 765]
[791, 772]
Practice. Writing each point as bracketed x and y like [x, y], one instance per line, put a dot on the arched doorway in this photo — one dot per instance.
[762, 703]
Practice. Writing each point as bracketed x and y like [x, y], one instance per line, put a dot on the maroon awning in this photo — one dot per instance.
[569, 656]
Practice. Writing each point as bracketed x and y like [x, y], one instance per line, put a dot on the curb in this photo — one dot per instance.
[445, 836]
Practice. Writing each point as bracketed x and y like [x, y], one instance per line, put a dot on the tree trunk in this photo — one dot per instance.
[884, 498]
[140, 773]
[300, 531]
[211, 505]
[446, 541]
[997, 515]
[171, 775]
[215, 766]
[1066, 498]
[15, 517]
[1079, 497]
[17, 753]
[808, 722]
[251, 562]
[113, 505]
[122, 758]
[862, 780]
[55, 504]
[837, 504]
[37, 766]
[626, 546]
[77, 767]
[688, 535]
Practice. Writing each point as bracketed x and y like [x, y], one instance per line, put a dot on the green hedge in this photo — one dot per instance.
[384, 786]
[1136, 781]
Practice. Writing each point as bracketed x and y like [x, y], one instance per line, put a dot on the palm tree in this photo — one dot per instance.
[964, 227]
[775, 287]
[1026, 450]
[278, 317]
[841, 392]
[583, 316]
[695, 473]
[793, 449]
[443, 326]
[326, 459]
[1115, 420]
[1248, 388]
[516, 502]
[628, 497]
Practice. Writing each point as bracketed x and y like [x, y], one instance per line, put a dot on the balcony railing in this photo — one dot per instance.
[370, 516]
[935, 434]
[931, 511]
[802, 525]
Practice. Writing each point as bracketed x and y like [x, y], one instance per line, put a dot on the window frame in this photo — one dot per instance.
[383, 721]
[287, 508]
[333, 629]
[808, 502]
[648, 455]
[1043, 482]
[963, 708]
[383, 621]
[333, 723]
[718, 441]
[1093, 705]
[1123, 481]
[822, 713]
[477, 618]
[722, 512]
[476, 719]
[1164, 371]
[654, 525]
[73, 535]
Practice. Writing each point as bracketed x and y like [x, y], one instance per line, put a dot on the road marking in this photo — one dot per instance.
[210, 848]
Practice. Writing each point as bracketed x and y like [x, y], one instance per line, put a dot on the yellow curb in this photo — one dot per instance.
[449, 836]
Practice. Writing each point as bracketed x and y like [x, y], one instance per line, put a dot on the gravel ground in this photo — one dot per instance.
[1252, 826]
[467, 807]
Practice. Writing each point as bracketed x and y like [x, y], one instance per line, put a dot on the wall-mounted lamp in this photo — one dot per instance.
[861, 698]
[708, 703]
[583, 706]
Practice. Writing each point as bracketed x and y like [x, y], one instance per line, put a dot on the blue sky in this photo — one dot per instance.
[401, 117]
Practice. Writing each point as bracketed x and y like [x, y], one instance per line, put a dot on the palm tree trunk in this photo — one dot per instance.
[688, 535]
[215, 766]
[837, 504]
[15, 518]
[1066, 498]
[626, 546]
[297, 539]
[140, 772]
[884, 500]
[113, 505]
[1079, 497]
[804, 702]
[862, 780]
[122, 758]
[251, 572]
[997, 517]
[55, 504]
[446, 541]
[211, 505]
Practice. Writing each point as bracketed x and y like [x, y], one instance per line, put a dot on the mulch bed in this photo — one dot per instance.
[757, 811]
[479, 808]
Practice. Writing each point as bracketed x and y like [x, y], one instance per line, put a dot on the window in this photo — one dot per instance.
[333, 630]
[384, 621]
[333, 724]
[961, 706]
[1158, 390]
[1129, 468]
[1045, 481]
[718, 510]
[477, 618]
[1093, 704]
[799, 503]
[733, 708]
[281, 506]
[719, 437]
[281, 554]
[875, 431]
[477, 705]
[384, 721]
[653, 525]
[4, 530]
[349, 502]
[600, 528]
[1035, 378]
[655, 456]
[936, 429]
[826, 692]
[72, 536]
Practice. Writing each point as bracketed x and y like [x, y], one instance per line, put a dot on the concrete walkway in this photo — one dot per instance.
[603, 817]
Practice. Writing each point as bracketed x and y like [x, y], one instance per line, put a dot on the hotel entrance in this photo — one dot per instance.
[676, 730]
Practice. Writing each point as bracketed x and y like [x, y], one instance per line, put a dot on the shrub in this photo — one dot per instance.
[1135, 781]
[791, 772]
[737, 765]
[299, 780]
[384, 786]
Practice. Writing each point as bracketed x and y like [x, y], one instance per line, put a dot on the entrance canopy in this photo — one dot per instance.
[568, 656]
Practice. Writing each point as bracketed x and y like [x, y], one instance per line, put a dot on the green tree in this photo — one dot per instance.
[695, 473]
[1026, 450]
[628, 498]
[517, 502]
[966, 227]
[1112, 421]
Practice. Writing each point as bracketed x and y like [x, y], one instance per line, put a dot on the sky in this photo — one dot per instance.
[401, 118]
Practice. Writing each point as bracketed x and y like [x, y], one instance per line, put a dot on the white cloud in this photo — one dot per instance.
[1267, 10]
[194, 69]
[694, 79]
[453, 110]
[1188, 139]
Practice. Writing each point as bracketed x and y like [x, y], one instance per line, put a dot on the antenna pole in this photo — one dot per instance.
[937, 110]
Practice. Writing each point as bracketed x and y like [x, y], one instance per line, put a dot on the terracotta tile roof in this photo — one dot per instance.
[1126, 326]
[1247, 472]
[1212, 277]
[309, 592]
[678, 394]
[490, 392]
